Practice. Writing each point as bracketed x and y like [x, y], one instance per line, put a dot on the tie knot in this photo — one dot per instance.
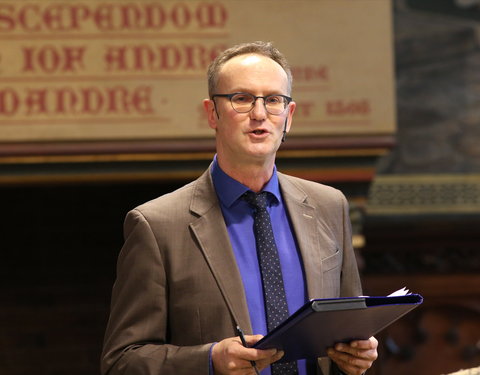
[257, 200]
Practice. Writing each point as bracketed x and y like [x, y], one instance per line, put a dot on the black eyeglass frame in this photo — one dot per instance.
[230, 96]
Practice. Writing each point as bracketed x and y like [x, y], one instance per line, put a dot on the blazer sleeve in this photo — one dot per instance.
[350, 284]
[136, 339]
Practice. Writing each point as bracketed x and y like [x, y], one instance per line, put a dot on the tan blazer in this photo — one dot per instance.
[178, 288]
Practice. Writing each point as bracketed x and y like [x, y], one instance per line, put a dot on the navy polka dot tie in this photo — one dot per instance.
[274, 292]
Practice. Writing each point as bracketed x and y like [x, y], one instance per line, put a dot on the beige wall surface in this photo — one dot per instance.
[120, 70]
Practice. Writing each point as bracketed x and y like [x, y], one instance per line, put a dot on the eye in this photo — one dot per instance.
[274, 99]
[242, 98]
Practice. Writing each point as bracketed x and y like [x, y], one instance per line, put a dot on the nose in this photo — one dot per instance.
[258, 112]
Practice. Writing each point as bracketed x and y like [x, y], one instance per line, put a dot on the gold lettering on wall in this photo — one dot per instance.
[110, 70]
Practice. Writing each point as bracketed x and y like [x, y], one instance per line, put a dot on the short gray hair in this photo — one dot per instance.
[260, 48]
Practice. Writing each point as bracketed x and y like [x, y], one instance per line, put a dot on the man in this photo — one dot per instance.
[188, 273]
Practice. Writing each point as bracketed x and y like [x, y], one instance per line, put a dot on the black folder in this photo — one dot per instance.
[321, 323]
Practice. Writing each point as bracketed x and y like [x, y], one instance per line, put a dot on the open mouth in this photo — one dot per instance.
[259, 132]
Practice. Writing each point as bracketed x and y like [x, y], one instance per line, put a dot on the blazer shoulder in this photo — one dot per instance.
[309, 189]
[194, 198]
[178, 197]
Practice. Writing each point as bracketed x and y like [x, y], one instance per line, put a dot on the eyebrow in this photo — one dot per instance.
[247, 91]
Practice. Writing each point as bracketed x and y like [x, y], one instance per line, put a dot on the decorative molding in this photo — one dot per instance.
[464, 258]
[424, 194]
[378, 143]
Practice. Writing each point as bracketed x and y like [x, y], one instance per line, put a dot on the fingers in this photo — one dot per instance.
[371, 343]
[250, 354]
[252, 339]
[229, 356]
[262, 363]
[355, 358]
[263, 358]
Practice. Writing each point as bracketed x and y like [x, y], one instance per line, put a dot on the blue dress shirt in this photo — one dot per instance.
[238, 215]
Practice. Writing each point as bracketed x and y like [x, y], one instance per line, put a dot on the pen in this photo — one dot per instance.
[244, 343]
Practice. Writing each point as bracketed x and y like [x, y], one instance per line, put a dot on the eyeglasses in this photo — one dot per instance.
[243, 102]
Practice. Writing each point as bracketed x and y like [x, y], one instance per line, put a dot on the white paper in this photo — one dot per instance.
[400, 292]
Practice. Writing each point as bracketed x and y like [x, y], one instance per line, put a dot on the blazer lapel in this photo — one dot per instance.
[212, 235]
[305, 227]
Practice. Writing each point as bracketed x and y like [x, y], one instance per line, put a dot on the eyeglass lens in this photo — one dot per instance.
[243, 102]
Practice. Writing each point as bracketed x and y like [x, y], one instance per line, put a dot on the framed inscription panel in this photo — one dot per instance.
[104, 70]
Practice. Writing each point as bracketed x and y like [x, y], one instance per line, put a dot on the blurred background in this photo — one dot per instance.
[414, 192]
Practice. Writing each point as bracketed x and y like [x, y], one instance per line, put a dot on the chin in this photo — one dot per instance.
[262, 153]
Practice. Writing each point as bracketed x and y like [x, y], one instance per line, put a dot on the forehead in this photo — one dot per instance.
[253, 71]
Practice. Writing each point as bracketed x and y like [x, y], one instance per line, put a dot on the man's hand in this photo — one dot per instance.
[355, 358]
[229, 356]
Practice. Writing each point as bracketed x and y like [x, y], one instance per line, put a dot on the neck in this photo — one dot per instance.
[253, 176]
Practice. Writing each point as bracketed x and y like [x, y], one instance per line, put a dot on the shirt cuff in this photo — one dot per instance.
[210, 366]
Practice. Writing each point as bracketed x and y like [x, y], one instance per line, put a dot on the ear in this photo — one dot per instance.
[209, 107]
[291, 109]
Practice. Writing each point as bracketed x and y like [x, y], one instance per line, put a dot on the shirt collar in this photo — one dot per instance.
[229, 190]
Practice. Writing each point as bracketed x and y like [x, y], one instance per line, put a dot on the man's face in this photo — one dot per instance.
[253, 137]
